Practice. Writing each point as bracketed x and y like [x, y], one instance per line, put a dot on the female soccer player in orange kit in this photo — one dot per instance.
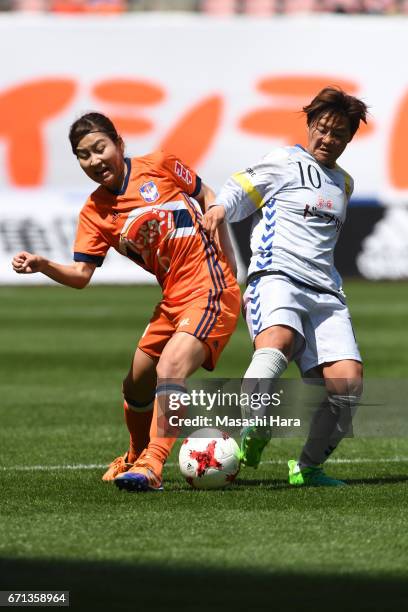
[144, 208]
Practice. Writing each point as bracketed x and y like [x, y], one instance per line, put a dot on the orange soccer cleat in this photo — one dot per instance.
[118, 466]
[141, 477]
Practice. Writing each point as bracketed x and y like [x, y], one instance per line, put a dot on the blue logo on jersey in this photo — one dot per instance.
[149, 192]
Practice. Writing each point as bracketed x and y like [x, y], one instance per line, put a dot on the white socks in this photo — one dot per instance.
[267, 363]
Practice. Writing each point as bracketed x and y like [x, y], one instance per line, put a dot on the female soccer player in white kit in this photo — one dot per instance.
[294, 304]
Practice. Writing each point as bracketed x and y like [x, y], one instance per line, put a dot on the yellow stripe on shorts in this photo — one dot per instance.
[249, 188]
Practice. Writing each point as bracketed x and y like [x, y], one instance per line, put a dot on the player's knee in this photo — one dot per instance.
[169, 367]
[357, 377]
[348, 381]
[278, 338]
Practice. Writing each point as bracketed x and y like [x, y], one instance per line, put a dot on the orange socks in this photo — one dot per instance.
[161, 442]
[138, 419]
[159, 447]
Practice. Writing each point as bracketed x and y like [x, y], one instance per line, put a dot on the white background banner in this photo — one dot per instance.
[218, 92]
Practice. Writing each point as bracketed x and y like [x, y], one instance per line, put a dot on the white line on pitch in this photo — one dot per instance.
[100, 466]
[52, 468]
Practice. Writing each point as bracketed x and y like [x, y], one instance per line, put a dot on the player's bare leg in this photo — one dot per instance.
[182, 355]
[331, 423]
[138, 391]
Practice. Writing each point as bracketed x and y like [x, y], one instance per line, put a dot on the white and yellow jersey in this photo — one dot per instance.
[298, 208]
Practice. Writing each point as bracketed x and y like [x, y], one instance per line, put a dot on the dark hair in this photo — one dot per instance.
[88, 123]
[334, 100]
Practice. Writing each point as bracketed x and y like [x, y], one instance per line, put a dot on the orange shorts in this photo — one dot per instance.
[210, 317]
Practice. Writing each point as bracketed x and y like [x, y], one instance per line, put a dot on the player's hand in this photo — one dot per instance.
[213, 218]
[28, 263]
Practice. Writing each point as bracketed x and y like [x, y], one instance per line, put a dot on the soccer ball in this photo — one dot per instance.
[209, 459]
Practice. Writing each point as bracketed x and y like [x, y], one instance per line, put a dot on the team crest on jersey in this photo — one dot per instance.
[149, 192]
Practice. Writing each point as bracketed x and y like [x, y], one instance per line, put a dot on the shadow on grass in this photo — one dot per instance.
[267, 483]
[378, 481]
[115, 586]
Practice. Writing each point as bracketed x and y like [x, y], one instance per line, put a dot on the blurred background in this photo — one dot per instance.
[264, 8]
[219, 83]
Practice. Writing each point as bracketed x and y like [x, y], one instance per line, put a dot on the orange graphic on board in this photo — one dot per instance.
[281, 118]
[189, 139]
[24, 110]
[193, 134]
[397, 159]
[133, 94]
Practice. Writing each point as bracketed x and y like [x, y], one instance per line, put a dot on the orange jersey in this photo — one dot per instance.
[155, 223]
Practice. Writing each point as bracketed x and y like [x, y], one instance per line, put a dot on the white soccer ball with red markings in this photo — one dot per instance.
[209, 459]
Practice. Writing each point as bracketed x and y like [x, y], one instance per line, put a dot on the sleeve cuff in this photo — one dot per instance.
[86, 258]
[197, 187]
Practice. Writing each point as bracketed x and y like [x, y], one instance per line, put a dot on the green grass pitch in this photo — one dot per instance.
[257, 546]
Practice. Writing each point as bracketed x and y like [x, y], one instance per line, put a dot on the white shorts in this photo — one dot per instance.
[321, 320]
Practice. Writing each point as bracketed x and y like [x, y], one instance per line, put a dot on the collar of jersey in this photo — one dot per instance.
[336, 167]
[126, 181]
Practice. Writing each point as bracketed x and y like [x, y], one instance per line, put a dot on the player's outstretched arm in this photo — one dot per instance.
[76, 275]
